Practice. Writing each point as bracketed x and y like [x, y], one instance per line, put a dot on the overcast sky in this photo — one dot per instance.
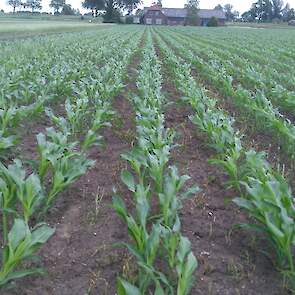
[240, 5]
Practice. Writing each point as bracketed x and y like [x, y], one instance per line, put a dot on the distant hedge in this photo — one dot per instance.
[213, 22]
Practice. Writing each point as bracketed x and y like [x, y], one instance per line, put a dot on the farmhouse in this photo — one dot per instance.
[156, 15]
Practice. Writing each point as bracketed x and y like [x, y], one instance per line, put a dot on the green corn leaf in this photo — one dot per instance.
[159, 290]
[20, 274]
[126, 288]
[244, 203]
[17, 233]
[128, 180]
[41, 234]
[273, 228]
[119, 206]
[190, 192]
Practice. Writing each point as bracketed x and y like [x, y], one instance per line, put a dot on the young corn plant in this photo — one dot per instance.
[172, 196]
[76, 113]
[59, 160]
[146, 244]
[155, 238]
[102, 118]
[17, 188]
[271, 204]
[20, 198]
[21, 245]
[185, 267]
[264, 193]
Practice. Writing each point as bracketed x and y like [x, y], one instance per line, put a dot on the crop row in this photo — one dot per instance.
[31, 82]
[258, 107]
[62, 159]
[165, 263]
[264, 193]
[256, 47]
[277, 85]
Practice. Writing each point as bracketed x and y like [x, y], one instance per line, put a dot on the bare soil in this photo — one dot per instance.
[230, 262]
[81, 258]
[255, 137]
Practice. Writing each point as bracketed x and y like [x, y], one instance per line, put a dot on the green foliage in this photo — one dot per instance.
[125, 288]
[57, 5]
[14, 4]
[264, 192]
[112, 8]
[213, 22]
[24, 199]
[33, 4]
[186, 265]
[21, 245]
[59, 158]
[67, 9]
[154, 237]
[192, 8]
[269, 10]
[16, 187]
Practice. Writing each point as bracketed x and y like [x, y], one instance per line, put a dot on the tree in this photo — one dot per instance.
[139, 12]
[112, 11]
[236, 14]
[112, 8]
[218, 7]
[68, 10]
[288, 13]
[260, 10]
[130, 5]
[248, 16]
[192, 7]
[94, 5]
[159, 3]
[277, 8]
[14, 4]
[57, 5]
[229, 14]
[268, 10]
[213, 22]
[34, 4]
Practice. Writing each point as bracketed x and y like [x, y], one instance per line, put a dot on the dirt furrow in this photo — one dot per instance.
[81, 258]
[228, 263]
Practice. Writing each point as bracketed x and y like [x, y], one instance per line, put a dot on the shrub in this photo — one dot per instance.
[129, 19]
[213, 22]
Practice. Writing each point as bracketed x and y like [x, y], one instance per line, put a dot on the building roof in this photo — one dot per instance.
[182, 12]
[208, 13]
[174, 12]
[153, 7]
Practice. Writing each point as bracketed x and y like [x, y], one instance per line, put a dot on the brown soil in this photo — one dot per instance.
[81, 258]
[255, 138]
[228, 263]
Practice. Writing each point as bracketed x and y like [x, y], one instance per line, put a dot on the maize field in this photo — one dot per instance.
[148, 160]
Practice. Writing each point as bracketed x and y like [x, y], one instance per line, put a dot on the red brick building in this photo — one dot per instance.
[156, 15]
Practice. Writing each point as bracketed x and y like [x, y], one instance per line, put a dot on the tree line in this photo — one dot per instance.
[59, 6]
[111, 10]
[268, 11]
